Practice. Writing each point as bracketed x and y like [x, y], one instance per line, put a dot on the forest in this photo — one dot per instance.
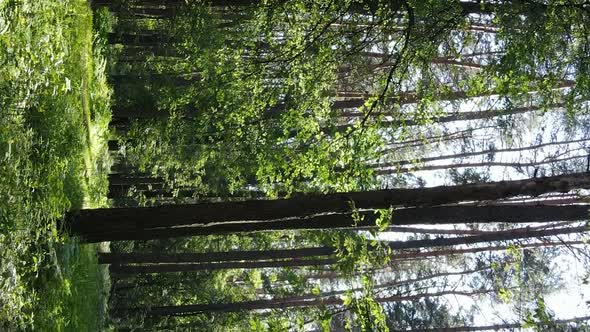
[295, 165]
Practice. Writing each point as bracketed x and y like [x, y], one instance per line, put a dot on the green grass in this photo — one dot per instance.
[75, 292]
[54, 114]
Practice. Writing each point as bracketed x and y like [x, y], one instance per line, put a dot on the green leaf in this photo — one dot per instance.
[316, 290]
[346, 299]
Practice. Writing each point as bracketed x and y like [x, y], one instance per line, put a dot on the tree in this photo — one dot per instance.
[297, 257]
[98, 224]
[298, 98]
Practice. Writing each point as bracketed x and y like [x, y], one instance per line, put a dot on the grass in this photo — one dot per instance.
[54, 114]
[73, 294]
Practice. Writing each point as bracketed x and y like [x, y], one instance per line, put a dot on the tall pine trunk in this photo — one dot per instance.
[185, 262]
[126, 270]
[161, 222]
[194, 309]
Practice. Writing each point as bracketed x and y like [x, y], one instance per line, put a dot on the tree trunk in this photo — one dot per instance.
[100, 224]
[331, 274]
[123, 270]
[119, 184]
[425, 215]
[461, 134]
[495, 327]
[125, 258]
[210, 261]
[187, 310]
[142, 3]
[524, 233]
[179, 80]
[469, 165]
[448, 252]
[132, 53]
[472, 154]
[389, 284]
[145, 39]
[460, 116]
[131, 180]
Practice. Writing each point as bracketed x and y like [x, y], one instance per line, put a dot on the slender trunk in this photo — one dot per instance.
[435, 139]
[411, 97]
[145, 39]
[458, 63]
[460, 116]
[522, 233]
[396, 258]
[495, 327]
[389, 284]
[123, 269]
[141, 3]
[273, 112]
[454, 251]
[419, 230]
[187, 310]
[125, 258]
[148, 12]
[211, 261]
[475, 153]
[130, 180]
[138, 112]
[368, 6]
[99, 224]
[395, 147]
[133, 53]
[180, 80]
[346, 71]
[470, 165]
[120, 184]
[488, 54]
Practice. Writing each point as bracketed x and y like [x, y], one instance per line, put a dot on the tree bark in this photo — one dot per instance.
[126, 258]
[469, 165]
[165, 3]
[119, 184]
[495, 327]
[187, 310]
[475, 153]
[175, 79]
[124, 269]
[461, 134]
[460, 116]
[145, 39]
[131, 180]
[98, 224]
[389, 284]
[454, 251]
[523, 233]
[425, 215]
[211, 261]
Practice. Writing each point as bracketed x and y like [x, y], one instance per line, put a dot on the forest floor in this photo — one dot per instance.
[54, 115]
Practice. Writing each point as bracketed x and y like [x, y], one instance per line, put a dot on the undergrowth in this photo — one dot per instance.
[54, 114]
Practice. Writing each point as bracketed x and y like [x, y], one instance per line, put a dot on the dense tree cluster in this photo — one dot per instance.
[275, 160]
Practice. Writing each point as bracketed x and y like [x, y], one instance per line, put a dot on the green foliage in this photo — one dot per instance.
[559, 34]
[53, 117]
[384, 219]
[265, 120]
[73, 291]
[368, 314]
[541, 319]
[232, 102]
